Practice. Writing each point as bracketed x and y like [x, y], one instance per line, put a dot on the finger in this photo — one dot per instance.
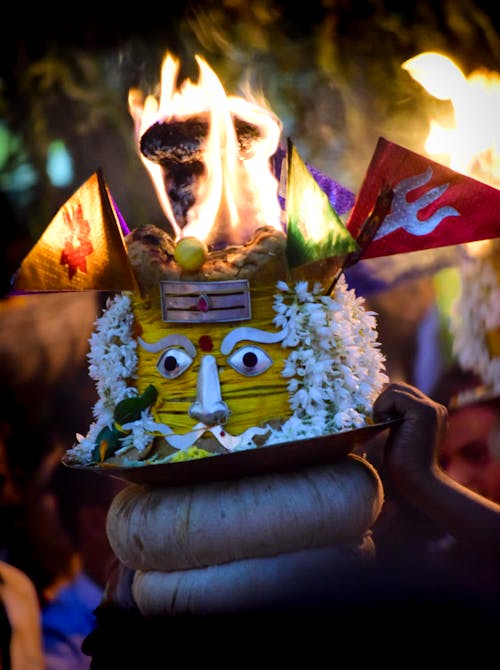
[397, 399]
[409, 389]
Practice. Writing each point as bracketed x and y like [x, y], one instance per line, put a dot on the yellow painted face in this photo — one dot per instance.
[248, 371]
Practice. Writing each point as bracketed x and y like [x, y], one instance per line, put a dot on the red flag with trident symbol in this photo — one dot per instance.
[432, 205]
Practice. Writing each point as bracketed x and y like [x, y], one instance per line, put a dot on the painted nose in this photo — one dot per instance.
[209, 408]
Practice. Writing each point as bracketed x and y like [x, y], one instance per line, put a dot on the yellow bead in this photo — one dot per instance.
[190, 253]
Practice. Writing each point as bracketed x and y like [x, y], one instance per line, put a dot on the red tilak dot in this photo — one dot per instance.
[202, 304]
[222, 433]
[206, 343]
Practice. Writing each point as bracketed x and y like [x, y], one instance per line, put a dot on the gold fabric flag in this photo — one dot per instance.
[82, 248]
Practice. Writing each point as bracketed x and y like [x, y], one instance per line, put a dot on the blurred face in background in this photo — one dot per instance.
[471, 451]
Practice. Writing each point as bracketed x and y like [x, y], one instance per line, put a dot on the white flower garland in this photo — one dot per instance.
[113, 365]
[336, 366]
[476, 312]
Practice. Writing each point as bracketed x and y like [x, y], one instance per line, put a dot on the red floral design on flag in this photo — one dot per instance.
[77, 245]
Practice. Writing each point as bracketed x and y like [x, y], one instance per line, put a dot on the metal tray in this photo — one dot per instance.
[250, 462]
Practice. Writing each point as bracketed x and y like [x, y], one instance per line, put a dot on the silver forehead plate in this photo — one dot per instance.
[205, 301]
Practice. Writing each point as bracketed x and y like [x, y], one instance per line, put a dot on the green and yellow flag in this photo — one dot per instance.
[314, 229]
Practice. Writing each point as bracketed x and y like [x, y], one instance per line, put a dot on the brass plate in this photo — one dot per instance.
[250, 462]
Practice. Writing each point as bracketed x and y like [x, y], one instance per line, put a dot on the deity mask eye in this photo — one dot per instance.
[173, 362]
[250, 361]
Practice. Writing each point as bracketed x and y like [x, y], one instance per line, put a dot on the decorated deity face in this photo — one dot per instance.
[215, 380]
[174, 384]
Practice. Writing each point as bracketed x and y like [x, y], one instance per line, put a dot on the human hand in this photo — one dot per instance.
[410, 453]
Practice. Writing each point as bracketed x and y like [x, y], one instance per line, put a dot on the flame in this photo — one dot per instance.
[236, 192]
[473, 145]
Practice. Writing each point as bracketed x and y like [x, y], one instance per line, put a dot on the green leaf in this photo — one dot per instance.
[130, 409]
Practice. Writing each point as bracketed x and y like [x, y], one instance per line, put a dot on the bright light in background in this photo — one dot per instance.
[473, 145]
[438, 74]
[59, 164]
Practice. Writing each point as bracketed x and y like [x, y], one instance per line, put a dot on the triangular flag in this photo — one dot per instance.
[433, 206]
[82, 248]
[314, 229]
[340, 197]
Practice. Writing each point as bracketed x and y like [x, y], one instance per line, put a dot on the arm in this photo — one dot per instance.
[411, 463]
